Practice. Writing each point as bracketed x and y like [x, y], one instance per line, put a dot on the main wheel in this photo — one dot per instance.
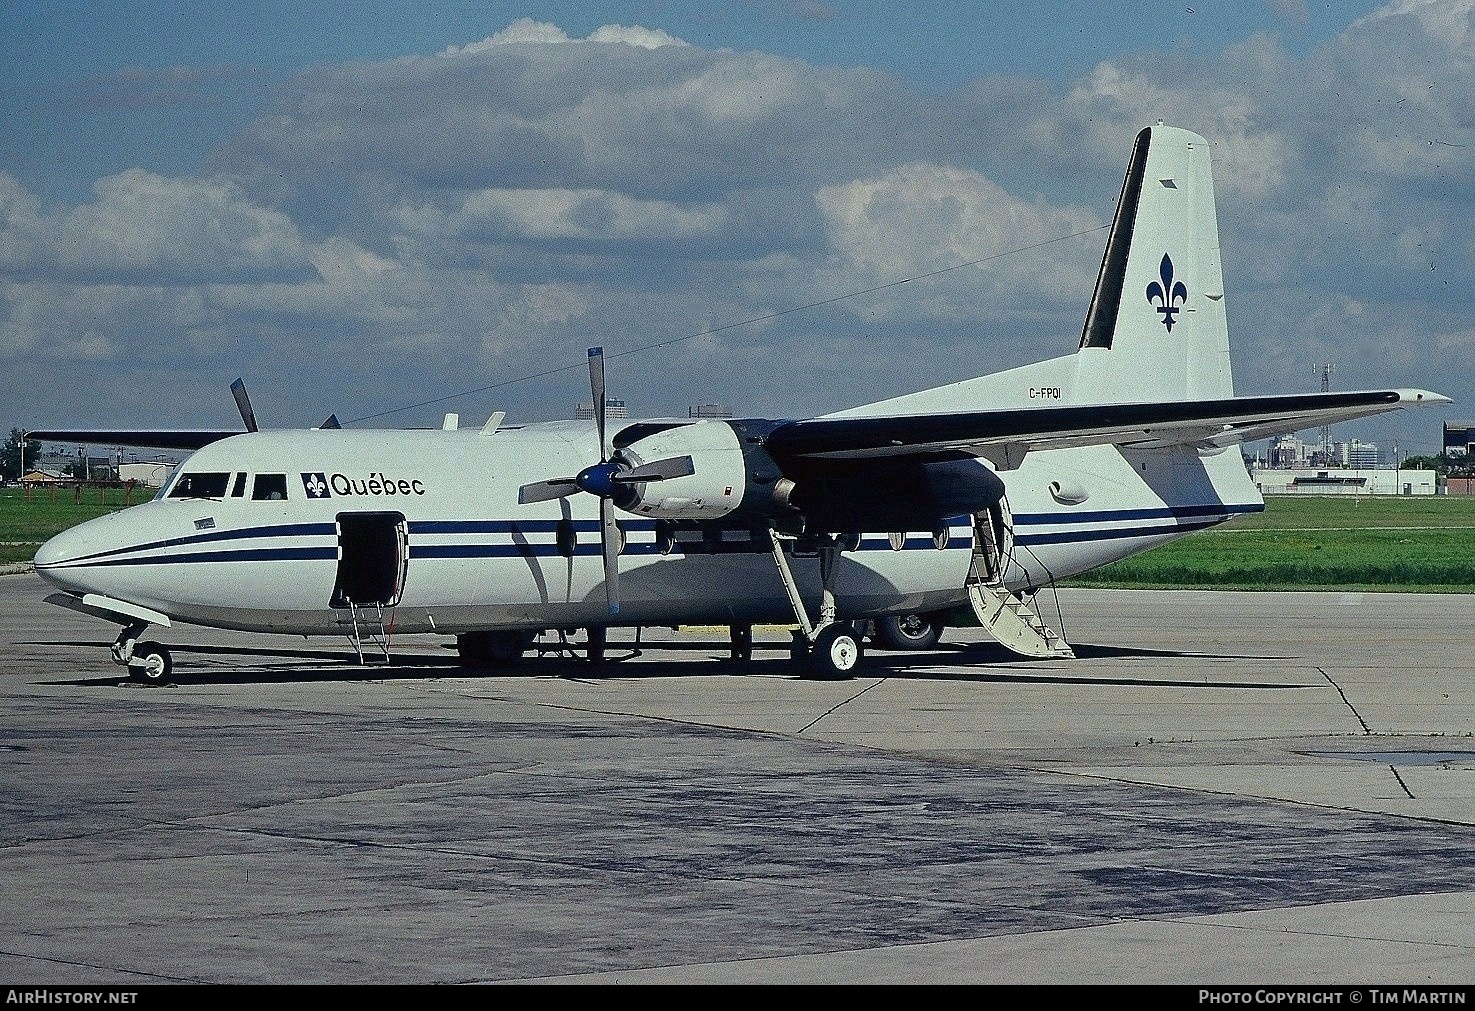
[836, 652]
[908, 631]
[151, 663]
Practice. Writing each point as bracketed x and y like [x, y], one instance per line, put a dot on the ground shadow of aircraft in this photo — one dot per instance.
[972, 662]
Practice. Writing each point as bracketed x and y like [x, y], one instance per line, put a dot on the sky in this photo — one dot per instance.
[388, 212]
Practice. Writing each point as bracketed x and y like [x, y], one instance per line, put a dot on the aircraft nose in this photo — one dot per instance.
[64, 547]
[58, 560]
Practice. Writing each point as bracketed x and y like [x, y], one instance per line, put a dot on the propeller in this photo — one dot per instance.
[243, 404]
[608, 478]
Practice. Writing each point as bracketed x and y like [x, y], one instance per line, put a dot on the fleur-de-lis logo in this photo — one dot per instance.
[315, 485]
[1169, 295]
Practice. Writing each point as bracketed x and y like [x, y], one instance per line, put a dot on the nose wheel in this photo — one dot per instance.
[151, 663]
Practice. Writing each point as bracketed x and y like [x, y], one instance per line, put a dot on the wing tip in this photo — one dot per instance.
[1422, 397]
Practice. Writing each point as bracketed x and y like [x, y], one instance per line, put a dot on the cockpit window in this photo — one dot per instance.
[200, 485]
[238, 489]
[272, 487]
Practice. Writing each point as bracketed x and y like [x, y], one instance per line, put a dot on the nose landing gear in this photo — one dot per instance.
[147, 661]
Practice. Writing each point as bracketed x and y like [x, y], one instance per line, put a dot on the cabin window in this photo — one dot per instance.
[238, 487]
[271, 487]
[200, 485]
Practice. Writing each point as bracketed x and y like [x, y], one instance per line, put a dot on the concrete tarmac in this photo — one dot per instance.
[1222, 789]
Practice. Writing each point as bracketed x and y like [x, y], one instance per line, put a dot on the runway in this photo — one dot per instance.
[1221, 789]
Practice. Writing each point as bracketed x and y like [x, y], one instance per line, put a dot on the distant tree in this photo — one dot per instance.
[10, 455]
[1438, 463]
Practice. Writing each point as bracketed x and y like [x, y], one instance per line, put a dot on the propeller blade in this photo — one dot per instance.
[658, 470]
[546, 491]
[243, 404]
[596, 386]
[609, 536]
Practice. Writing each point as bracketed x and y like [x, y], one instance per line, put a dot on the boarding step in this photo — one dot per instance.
[365, 625]
[1005, 616]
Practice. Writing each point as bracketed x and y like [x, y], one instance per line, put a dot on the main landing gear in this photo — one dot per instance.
[147, 662]
[830, 649]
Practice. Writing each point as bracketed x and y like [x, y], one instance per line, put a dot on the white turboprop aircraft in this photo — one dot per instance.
[884, 516]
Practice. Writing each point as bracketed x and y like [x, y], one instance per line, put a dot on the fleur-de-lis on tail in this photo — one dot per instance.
[1169, 295]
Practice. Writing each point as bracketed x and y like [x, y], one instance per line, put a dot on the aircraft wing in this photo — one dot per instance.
[1208, 423]
[156, 438]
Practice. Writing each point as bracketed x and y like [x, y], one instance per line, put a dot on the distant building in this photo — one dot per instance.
[1356, 454]
[1288, 451]
[612, 409]
[149, 475]
[44, 477]
[1344, 481]
[708, 411]
[1459, 437]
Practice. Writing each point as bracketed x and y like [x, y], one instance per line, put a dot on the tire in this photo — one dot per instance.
[908, 631]
[151, 663]
[836, 652]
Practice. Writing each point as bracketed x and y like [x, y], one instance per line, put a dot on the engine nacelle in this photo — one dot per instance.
[729, 475]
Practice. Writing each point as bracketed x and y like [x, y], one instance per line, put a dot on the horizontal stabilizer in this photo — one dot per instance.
[1207, 423]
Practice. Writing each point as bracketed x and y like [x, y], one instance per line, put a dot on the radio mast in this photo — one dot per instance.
[1325, 371]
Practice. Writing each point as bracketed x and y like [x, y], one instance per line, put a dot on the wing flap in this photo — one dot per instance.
[1209, 423]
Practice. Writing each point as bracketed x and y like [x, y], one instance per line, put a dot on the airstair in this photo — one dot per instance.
[1002, 612]
[365, 626]
[1009, 619]
[373, 558]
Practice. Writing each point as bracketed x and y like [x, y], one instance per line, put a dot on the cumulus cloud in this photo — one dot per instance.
[582, 215]
[529, 31]
[146, 227]
[921, 218]
[492, 208]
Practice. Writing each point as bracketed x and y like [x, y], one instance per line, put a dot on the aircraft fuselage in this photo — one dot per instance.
[427, 524]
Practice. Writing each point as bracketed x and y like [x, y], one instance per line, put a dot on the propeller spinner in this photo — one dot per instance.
[605, 480]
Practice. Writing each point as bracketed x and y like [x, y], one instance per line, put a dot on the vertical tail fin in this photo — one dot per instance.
[1156, 328]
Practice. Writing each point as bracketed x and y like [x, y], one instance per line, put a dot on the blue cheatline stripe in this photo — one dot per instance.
[1114, 533]
[282, 530]
[1109, 515]
[961, 538]
[518, 526]
[291, 554]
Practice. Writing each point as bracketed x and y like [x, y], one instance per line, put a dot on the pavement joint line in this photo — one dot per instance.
[1365, 728]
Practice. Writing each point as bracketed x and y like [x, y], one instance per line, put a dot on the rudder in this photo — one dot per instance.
[1156, 328]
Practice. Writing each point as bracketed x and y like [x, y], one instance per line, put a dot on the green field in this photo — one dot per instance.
[1424, 544]
[26, 523]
